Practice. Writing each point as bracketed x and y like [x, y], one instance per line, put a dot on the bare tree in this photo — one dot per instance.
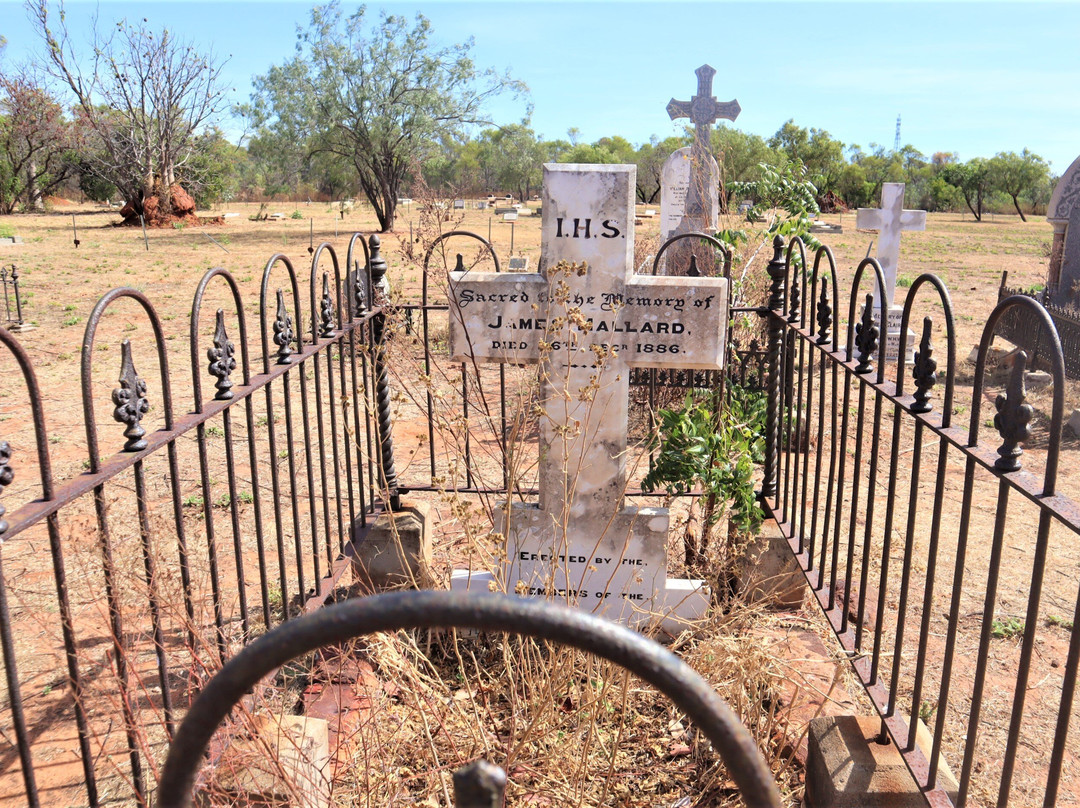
[142, 99]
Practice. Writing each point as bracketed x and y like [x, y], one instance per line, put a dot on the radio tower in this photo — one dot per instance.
[896, 145]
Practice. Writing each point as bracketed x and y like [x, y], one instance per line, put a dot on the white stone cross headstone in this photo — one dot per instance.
[587, 319]
[889, 220]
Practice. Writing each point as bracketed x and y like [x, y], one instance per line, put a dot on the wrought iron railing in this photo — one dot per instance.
[192, 534]
[944, 566]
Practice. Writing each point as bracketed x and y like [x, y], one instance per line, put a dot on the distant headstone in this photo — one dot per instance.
[889, 221]
[690, 184]
[500, 211]
[459, 204]
[481, 205]
[1060, 212]
[1068, 286]
[519, 263]
[510, 217]
[581, 543]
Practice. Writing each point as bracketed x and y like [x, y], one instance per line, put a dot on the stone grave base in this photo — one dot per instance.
[284, 764]
[768, 573]
[396, 552]
[848, 768]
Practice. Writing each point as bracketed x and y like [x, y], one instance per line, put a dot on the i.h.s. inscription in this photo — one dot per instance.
[588, 320]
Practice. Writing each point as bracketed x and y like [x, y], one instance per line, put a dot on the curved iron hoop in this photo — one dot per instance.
[815, 278]
[440, 240]
[354, 310]
[37, 411]
[193, 338]
[950, 325]
[487, 612]
[788, 307]
[88, 361]
[298, 333]
[882, 314]
[696, 234]
[326, 246]
[1057, 416]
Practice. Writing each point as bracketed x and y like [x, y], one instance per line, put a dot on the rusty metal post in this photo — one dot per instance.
[776, 270]
[18, 302]
[380, 288]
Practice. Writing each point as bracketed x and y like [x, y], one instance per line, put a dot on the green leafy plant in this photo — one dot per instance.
[296, 215]
[1004, 628]
[716, 450]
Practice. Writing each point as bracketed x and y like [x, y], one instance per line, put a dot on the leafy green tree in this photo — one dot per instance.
[816, 149]
[519, 158]
[377, 98]
[36, 143]
[649, 159]
[972, 180]
[1015, 174]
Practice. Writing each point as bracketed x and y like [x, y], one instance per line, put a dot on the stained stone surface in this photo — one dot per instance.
[581, 543]
[675, 178]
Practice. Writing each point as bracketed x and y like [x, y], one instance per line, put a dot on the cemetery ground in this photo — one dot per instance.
[442, 702]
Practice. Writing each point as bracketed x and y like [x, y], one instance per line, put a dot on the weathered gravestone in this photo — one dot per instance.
[587, 319]
[519, 263]
[1064, 270]
[690, 178]
[889, 221]
[459, 204]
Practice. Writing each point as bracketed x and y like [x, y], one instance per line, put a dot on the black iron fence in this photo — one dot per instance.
[125, 587]
[1020, 327]
[945, 562]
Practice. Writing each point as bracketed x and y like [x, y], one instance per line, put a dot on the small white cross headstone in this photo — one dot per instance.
[581, 543]
[889, 221]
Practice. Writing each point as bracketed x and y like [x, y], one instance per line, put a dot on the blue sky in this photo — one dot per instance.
[974, 78]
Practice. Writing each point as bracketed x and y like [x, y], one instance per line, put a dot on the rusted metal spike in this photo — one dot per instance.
[824, 313]
[460, 265]
[924, 371]
[793, 314]
[283, 331]
[222, 358]
[326, 310]
[7, 474]
[130, 400]
[479, 785]
[1013, 419]
[693, 271]
[866, 338]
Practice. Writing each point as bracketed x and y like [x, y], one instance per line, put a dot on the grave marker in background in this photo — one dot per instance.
[889, 221]
[581, 543]
[690, 177]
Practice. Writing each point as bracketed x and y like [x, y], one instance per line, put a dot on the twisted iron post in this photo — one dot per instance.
[380, 288]
[776, 270]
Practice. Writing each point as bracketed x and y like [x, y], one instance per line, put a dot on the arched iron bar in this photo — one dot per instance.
[487, 612]
[298, 329]
[292, 332]
[713, 240]
[111, 592]
[354, 271]
[950, 345]
[427, 356]
[1012, 422]
[882, 318]
[328, 332]
[7, 644]
[234, 513]
[193, 333]
[795, 300]
[1057, 416]
[87, 366]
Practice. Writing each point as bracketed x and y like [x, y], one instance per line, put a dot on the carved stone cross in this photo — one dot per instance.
[587, 319]
[703, 109]
[889, 220]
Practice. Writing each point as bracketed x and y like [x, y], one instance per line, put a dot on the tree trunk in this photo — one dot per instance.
[1016, 204]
